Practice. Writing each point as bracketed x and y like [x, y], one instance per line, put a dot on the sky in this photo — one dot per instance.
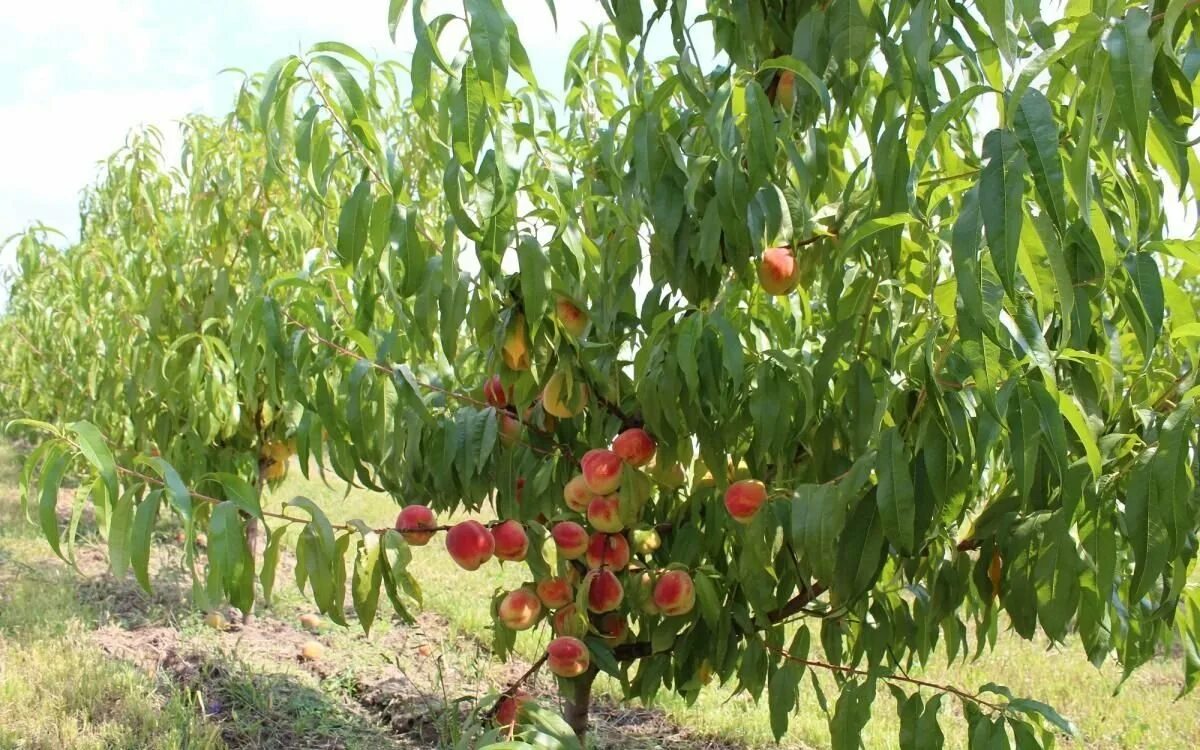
[77, 75]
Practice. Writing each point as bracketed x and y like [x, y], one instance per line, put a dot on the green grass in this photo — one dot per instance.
[1144, 715]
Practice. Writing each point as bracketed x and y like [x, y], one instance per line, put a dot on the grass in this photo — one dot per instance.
[1145, 713]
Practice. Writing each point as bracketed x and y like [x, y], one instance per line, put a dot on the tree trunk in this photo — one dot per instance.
[578, 703]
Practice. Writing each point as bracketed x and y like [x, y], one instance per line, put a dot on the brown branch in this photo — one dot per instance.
[516, 684]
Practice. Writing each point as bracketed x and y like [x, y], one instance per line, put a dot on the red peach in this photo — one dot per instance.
[493, 391]
[511, 541]
[568, 657]
[568, 622]
[519, 609]
[571, 538]
[604, 592]
[744, 498]
[604, 514]
[614, 628]
[778, 272]
[675, 594]
[554, 592]
[416, 517]
[635, 446]
[572, 318]
[601, 471]
[509, 427]
[510, 707]
[470, 544]
[608, 550]
[577, 495]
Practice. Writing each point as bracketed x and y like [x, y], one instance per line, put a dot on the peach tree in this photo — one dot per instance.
[854, 341]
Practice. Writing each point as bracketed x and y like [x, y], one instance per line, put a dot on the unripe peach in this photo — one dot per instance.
[604, 514]
[577, 495]
[516, 345]
[571, 538]
[562, 399]
[554, 592]
[572, 318]
[215, 620]
[601, 471]
[643, 592]
[493, 391]
[634, 446]
[519, 609]
[645, 541]
[744, 498]
[671, 475]
[510, 707]
[470, 544]
[614, 628]
[568, 622]
[675, 594]
[605, 592]
[608, 551]
[511, 541]
[509, 427]
[416, 517]
[567, 657]
[778, 272]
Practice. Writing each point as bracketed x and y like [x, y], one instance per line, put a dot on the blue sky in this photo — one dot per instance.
[79, 74]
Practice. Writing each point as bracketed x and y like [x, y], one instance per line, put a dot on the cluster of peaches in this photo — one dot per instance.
[600, 558]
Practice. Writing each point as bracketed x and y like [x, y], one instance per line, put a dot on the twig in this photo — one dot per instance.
[516, 684]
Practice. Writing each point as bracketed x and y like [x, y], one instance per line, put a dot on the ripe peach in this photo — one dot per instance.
[785, 90]
[554, 592]
[519, 609]
[675, 594]
[635, 446]
[614, 628]
[572, 318]
[470, 544]
[412, 518]
[571, 538]
[608, 551]
[509, 427]
[515, 351]
[310, 621]
[577, 495]
[510, 707]
[568, 622]
[605, 592]
[604, 514]
[564, 398]
[493, 391]
[511, 541]
[778, 272]
[744, 498]
[601, 471]
[312, 651]
[568, 657]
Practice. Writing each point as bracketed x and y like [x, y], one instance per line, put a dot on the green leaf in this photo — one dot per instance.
[488, 32]
[177, 491]
[120, 526]
[937, 125]
[708, 600]
[803, 73]
[354, 224]
[321, 523]
[270, 562]
[873, 227]
[96, 451]
[53, 468]
[535, 271]
[240, 492]
[368, 574]
[851, 714]
[142, 537]
[896, 497]
[395, 10]
[783, 690]
[1131, 67]
[1001, 197]
[1038, 135]
[861, 551]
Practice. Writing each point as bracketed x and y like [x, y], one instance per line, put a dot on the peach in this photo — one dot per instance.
[572, 318]
[519, 609]
[604, 591]
[510, 707]
[675, 594]
[785, 90]
[310, 621]
[614, 628]
[643, 592]
[778, 272]
[601, 471]
[515, 351]
[635, 446]
[215, 620]
[470, 544]
[744, 498]
[604, 514]
[607, 551]
[493, 391]
[562, 397]
[509, 427]
[571, 538]
[312, 651]
[554, 592]
[568, 657]
[511, 541]
[577, 495]
[411, 521]
[645, 541]
[568, 622]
